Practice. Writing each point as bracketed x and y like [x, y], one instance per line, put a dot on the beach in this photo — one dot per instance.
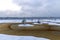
[53, 35]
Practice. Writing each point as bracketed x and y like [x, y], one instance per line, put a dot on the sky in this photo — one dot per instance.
[29, 8]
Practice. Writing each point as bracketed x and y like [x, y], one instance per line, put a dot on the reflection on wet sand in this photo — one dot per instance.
[53, 35]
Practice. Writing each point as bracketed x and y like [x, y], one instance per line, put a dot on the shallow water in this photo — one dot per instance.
[10, 37]
[25, 25]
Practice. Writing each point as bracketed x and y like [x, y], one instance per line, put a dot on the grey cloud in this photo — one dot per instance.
[37, 8]
[33, 7]
[53, 8]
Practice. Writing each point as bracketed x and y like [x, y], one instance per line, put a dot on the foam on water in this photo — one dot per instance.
[10, 21]
[47, 21]
[54, 24]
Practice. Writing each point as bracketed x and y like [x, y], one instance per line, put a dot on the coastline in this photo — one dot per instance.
[53, 35]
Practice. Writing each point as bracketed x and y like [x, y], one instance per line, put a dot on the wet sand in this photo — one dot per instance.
[53, 35]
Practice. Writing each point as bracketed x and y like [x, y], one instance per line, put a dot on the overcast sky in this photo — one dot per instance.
[29, 8]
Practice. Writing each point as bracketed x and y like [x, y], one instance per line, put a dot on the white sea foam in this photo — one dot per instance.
[47, 21]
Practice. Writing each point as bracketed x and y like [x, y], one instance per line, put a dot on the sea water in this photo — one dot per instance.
[47, 21]
[11, 37]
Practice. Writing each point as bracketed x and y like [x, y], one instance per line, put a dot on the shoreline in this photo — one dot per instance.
[53, 35]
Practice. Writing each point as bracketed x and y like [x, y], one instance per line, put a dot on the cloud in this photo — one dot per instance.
[37, 8]
[8, 5]
[33, 7]
[8, 8]
[40, 7]
[53, 8]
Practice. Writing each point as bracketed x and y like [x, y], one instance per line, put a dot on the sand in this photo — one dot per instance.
[53, 35]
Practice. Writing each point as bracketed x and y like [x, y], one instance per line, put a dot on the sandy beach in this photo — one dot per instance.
[53, 35]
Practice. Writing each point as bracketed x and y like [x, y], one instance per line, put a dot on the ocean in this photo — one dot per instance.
[50, 20]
